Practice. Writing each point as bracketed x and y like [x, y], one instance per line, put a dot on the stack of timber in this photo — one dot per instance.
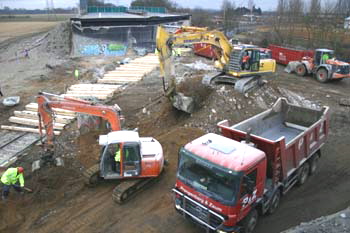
[98, 91]
[29, 121]
[133, 71]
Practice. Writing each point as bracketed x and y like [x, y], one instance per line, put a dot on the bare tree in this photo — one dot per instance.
[229, 15]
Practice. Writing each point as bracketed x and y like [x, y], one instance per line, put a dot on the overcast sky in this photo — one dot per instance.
[211, 4]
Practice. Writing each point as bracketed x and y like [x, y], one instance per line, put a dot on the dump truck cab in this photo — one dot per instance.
[139, 156]
[219, 180]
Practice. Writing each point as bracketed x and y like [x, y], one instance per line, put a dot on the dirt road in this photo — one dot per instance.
[60, 203]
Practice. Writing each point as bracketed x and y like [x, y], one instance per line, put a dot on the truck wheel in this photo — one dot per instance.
[275, 201]
[322, 75]
[314, 164]
[249, 223]
[300, 70]
[304, 173]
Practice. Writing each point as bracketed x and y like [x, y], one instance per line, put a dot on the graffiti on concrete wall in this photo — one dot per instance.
[102, 49]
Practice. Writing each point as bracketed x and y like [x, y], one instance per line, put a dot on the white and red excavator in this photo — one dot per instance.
[141, 161]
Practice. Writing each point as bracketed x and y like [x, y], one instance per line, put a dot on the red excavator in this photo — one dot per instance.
[140, 157]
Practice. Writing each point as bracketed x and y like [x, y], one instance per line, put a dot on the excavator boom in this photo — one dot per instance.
[229, 64]
[46, 103]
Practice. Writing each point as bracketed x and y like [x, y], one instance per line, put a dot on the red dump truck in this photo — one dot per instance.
[224, 181]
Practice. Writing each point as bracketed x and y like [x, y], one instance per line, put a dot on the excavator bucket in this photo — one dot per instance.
[47, 159]
[36, 165]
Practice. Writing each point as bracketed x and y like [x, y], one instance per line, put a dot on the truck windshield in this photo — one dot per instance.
[214, 181]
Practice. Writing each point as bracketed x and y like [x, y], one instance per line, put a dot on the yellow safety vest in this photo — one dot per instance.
[117, 156]
[11, 177]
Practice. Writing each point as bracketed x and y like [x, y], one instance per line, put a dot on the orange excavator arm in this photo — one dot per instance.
[46, 103]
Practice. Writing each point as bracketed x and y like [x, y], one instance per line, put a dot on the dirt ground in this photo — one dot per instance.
[61, 203]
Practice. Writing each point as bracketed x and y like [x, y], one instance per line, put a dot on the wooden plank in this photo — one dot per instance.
[31, 122]
[34, 115]
[100, 92]
[114, 81]
[101, 97]
[126, 71]
[77, 88]
[133, 68]
[124, 76]
[25, 129]
[144, 65]
[34, 107]
[95, 86]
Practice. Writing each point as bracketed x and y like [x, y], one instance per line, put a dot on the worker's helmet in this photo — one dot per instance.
[20, 169]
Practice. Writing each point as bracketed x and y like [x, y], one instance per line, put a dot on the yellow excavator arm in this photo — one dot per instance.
[191, 35]
[230, 61]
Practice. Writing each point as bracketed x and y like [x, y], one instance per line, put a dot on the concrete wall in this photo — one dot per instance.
[112, 41]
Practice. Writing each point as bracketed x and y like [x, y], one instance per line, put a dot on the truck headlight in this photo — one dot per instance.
[177, 203]
[220, 231]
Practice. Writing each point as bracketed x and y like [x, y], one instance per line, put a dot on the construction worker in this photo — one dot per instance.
[245, 61]
[325, 57]
[76, 74]
[117, 159]
[10, 178]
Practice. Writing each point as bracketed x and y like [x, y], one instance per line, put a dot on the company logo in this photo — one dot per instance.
[201, 200]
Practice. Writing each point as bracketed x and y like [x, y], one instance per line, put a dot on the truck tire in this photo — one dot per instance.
[249, 222]
[275, 201]
[314, 164]
[300, 70]
[303, 174]
[322, 75]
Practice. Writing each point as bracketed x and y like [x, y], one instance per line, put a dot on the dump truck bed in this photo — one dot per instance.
[289, 132]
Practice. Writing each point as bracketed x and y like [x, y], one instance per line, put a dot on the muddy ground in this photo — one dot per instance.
[61, 203]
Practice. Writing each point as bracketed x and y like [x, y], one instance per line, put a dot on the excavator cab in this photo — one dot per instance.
[250, 59]
[129, 164]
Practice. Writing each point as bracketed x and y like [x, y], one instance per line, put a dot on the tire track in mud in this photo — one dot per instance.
[70, 220]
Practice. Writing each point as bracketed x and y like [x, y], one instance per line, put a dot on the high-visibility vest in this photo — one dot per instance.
[117, 156]
[11, 177]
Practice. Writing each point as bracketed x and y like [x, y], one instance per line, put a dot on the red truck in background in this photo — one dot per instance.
[319, 62]
[284, 55]
[224, 181]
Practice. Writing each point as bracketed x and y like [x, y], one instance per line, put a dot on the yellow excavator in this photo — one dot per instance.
[238, 65]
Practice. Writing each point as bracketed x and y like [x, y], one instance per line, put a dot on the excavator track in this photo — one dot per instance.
[129, 188]
[244, 85]
[91, 175]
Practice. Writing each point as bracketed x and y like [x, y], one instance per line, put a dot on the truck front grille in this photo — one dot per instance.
[193, 209]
